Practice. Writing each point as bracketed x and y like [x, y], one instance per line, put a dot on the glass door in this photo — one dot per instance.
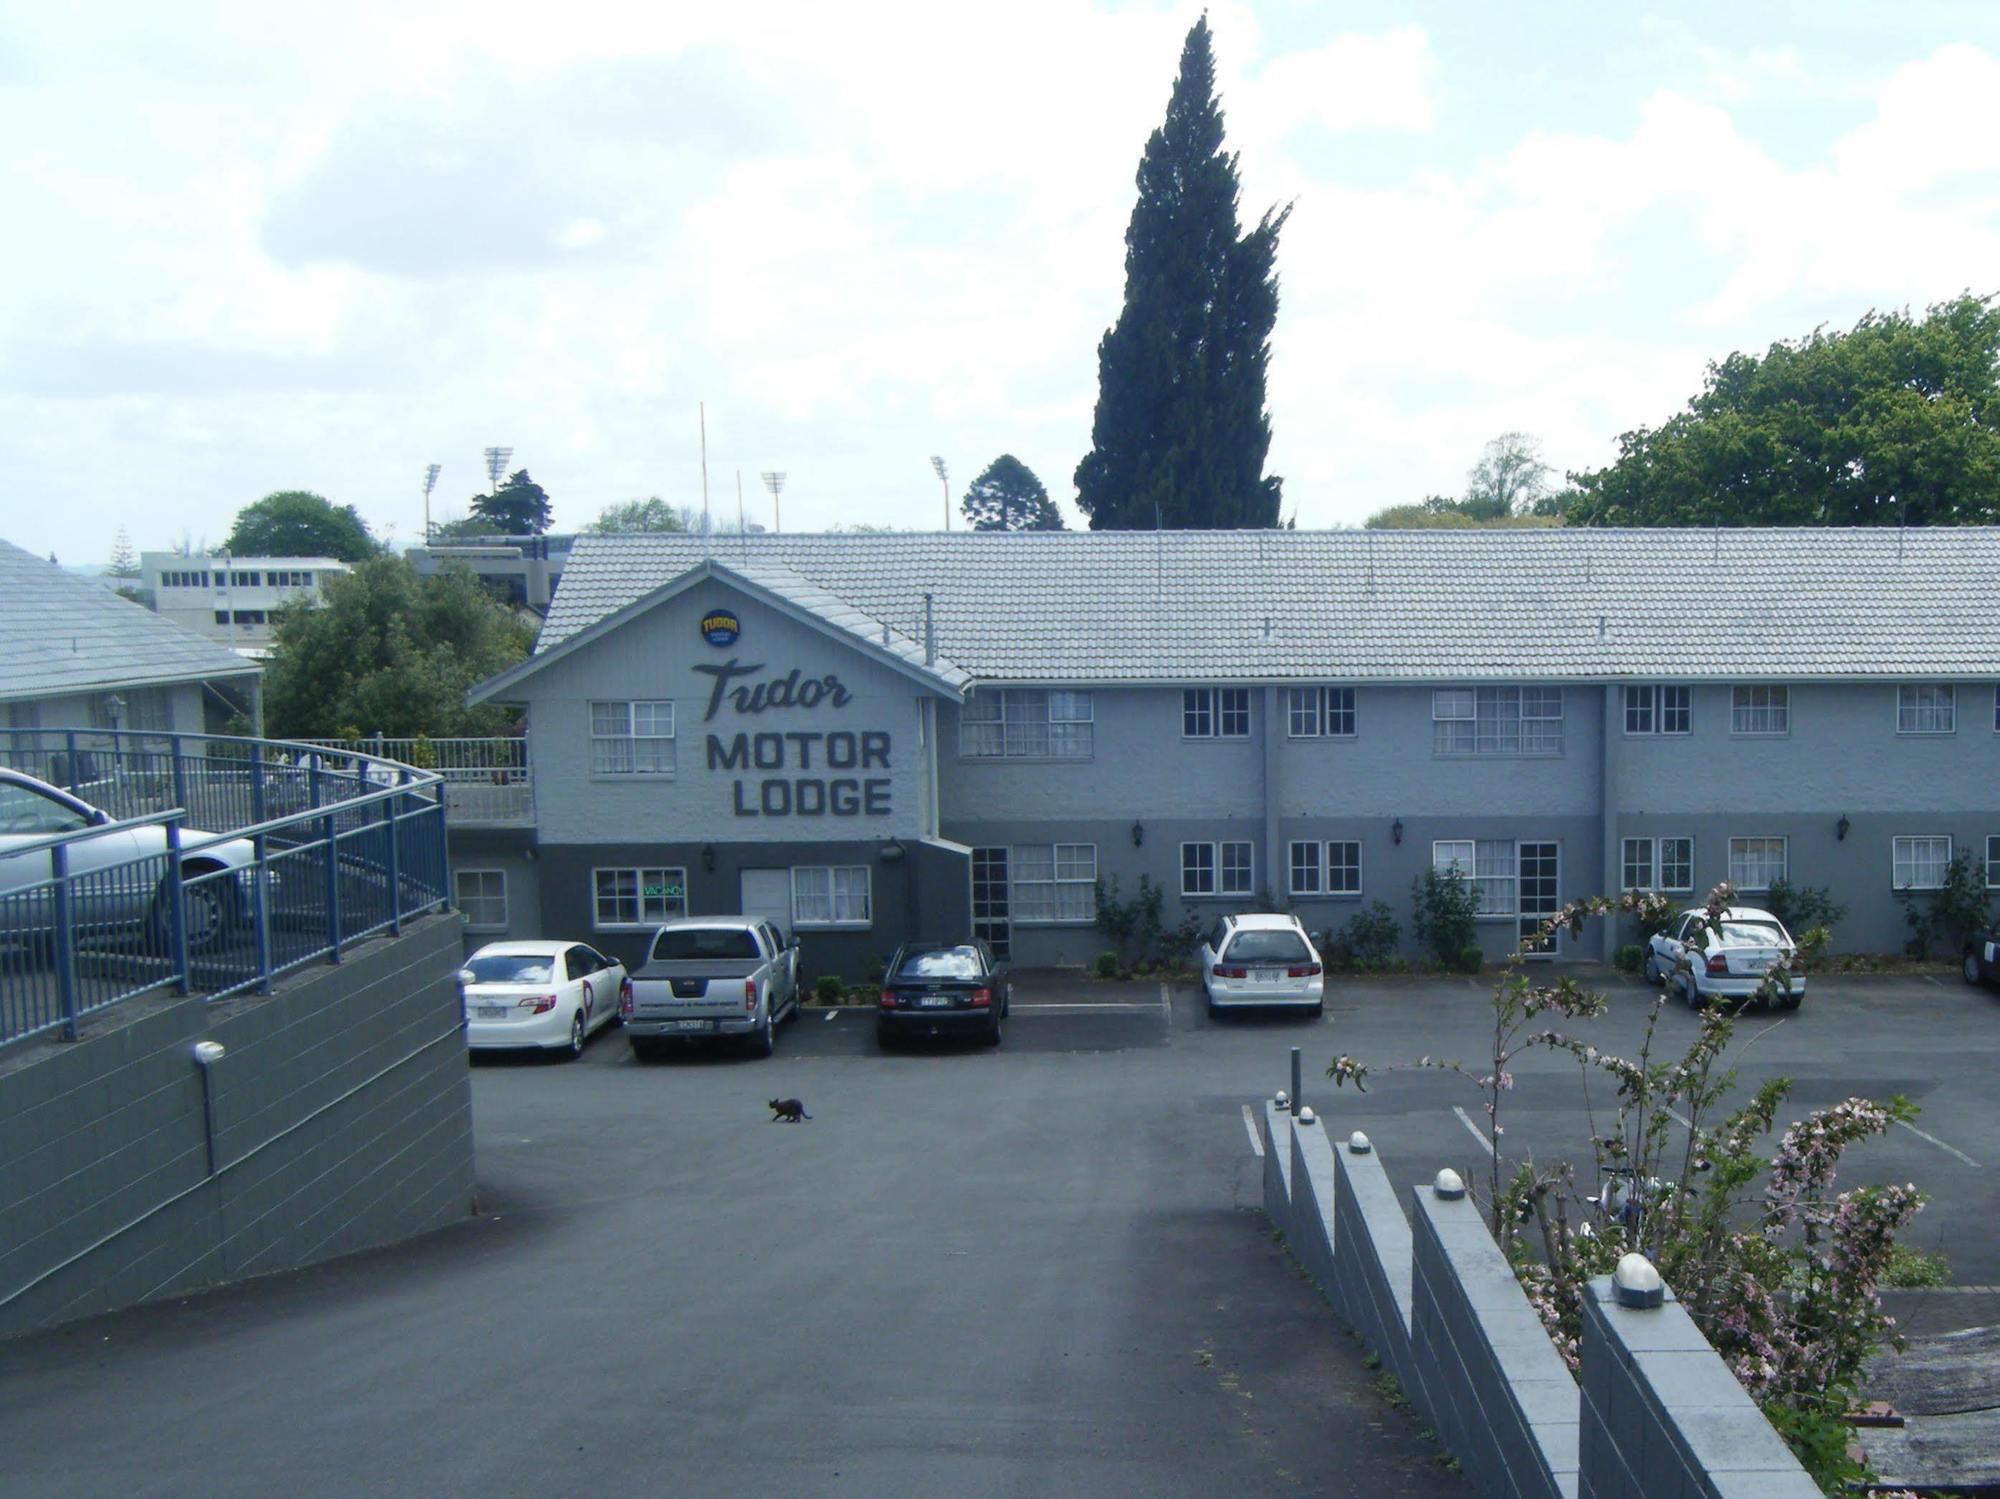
[989, 899]
[1540, 869]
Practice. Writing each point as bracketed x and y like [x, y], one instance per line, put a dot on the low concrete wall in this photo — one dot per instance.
[342, 1117]
[1659, 1415]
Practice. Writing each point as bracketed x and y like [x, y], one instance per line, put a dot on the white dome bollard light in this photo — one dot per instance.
[1283, 1101]
[1637, 1282]
[1307, 1116]
[206, 1055]
[1449, 1186]
[1357, 1144]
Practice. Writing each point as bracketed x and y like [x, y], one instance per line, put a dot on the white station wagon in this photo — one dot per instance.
[1261, 960]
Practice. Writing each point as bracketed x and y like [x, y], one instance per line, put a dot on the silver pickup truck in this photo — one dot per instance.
[708, 976]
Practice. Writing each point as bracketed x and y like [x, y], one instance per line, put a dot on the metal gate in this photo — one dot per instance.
[989, 899]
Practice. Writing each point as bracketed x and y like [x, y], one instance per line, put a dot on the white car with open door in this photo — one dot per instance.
[547, 995]
[1728, 959]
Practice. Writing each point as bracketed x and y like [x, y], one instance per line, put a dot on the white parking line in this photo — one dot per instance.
[1681, 1119]
[1952, 1150]
[1167, 1003]
[1250, 1125]
[832, 1015]
[1123, 1007]
[1477, 1134]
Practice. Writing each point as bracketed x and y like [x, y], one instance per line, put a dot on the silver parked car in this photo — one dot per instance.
[118, 877]
[1729, 960]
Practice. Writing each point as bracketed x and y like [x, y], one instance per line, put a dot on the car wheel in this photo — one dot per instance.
[885, 1038]
[211, 914]
[644, 1048]
[1653, 974]
[992, 1036]
[1691, 994]
[1969, 970]
[1318, 1010]
[1790, 1001]
[577, 1033]
[762, 1043]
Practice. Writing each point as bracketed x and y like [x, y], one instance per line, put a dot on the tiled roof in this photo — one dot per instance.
[61, 633]
[800, 591]
[1550, 604]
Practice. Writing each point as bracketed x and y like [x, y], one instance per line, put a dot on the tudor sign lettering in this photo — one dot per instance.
[803, 767]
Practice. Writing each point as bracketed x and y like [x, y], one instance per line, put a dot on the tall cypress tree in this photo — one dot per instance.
[1181, 432]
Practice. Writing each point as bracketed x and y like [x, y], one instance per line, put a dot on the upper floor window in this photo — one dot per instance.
[1319, 712]
[1926, 709]
[245, 580]
[1658, 708]
[1028, 723]
[1919, 863]
[184, 580]
[632, 738]
[1497, 721]
[1215, 713]
[1760, 710]
[1755, 862]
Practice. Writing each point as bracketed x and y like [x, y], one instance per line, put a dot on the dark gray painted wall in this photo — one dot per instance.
[343, 1120]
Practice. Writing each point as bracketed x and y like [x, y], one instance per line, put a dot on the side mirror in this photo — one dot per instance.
[99, 817]
[465, 977]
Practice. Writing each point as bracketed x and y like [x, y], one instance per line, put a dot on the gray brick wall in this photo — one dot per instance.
[1313, 1197]
[1371, 1273]
[342, 1120]
[1662, 1416]
[1277, 1129]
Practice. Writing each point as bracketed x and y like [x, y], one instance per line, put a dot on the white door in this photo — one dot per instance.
[767, 895]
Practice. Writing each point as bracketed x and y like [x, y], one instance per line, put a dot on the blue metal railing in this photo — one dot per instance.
[210, 865]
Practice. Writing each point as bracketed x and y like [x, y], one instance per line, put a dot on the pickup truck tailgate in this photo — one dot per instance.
[691, 991]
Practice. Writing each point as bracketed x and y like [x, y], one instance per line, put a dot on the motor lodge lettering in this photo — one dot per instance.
[807, 762]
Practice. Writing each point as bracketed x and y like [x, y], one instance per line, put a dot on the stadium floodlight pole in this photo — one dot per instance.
[944, 480]
[431, 472]
[774, 480]
[496, 465]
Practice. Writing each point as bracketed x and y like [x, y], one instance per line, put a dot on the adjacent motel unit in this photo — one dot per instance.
[871, 737]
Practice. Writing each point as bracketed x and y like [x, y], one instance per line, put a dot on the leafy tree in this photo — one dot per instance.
[1008, 497]
[1509, 478]
[460, 528]
[520, 507]
[1892, 423]
[1433, 515]
[1181, 433]
[299, 523]
[389, 652]
[124, 561]
[651, 514]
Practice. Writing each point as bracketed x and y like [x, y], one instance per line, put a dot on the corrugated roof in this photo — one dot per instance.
[61, 633]
[1139, 606]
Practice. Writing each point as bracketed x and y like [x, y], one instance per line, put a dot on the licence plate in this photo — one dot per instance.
[1267, 975]
[490, 1012]
[690, 1025]
[934, 1001]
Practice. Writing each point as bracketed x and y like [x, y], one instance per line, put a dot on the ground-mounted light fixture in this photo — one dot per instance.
[1840, 828]
[1636, 1283]
[1396, 831]
[708, 857]
[1138, 834]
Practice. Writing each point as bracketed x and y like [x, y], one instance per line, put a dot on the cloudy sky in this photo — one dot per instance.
[258, 247]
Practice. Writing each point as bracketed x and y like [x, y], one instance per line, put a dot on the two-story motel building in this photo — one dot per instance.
[869, 737]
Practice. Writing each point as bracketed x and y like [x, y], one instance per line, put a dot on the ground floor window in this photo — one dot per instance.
[1218, 868]
[1326, 868]
[1055, 882]
[1489, 865]
[481, 896]
[1658, 864]
[1993, 863]
[831, 895]
[638, 897]
[1919, 863]
[1754, 863]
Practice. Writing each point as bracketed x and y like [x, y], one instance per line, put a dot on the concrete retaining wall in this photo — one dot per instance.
[1659, 1415]
[342, 1119]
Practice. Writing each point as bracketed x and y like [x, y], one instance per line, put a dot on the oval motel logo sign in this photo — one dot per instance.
[720, 627]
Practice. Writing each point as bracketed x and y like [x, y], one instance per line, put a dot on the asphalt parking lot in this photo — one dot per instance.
[1027, 1271]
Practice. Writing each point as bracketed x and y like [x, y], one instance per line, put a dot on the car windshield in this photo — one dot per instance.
[941, 963]
[1267, 947]
[1753, 934]
[510, 968]
[703, 943]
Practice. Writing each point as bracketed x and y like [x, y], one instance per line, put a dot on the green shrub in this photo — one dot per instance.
[1446, 908]
[1470, 959]
[830, 989]
[1948, 915]
[1803, 907]
[1107, 965]
[1368, 939]
[1628, 958]
[1911, 1268]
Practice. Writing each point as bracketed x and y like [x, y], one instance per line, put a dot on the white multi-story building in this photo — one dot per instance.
[231, 599]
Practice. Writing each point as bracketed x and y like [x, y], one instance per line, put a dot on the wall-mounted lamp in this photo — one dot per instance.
[1840, 828]
[1138, 834]
[1396, 831]
[891, 851]
[708, 857]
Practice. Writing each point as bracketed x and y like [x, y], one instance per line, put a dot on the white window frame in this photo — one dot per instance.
[465, 903]
[1491, 866]
[1654, 862]
[1328, 872]
[843, 910]
[641, 920]
[1341, 864]
[1993, 861]
[605, 740]
[1738, 860]
[1312, 712]
[1072, 877]
[1475, 722]
[1925, 708]
[1027, 723]
[1638, 868]
[1760, 710]
[1660, 854]
[1218, 861]
[1205, 710]
[1312, 866]
[1903, 860]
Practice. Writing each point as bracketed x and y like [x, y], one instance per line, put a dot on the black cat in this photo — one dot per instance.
[788, 1109]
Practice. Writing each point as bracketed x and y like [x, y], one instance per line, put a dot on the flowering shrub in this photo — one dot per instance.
[1777, 1267]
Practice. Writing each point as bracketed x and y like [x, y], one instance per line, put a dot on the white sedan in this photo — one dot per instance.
[548, 995]
[1729, 960]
